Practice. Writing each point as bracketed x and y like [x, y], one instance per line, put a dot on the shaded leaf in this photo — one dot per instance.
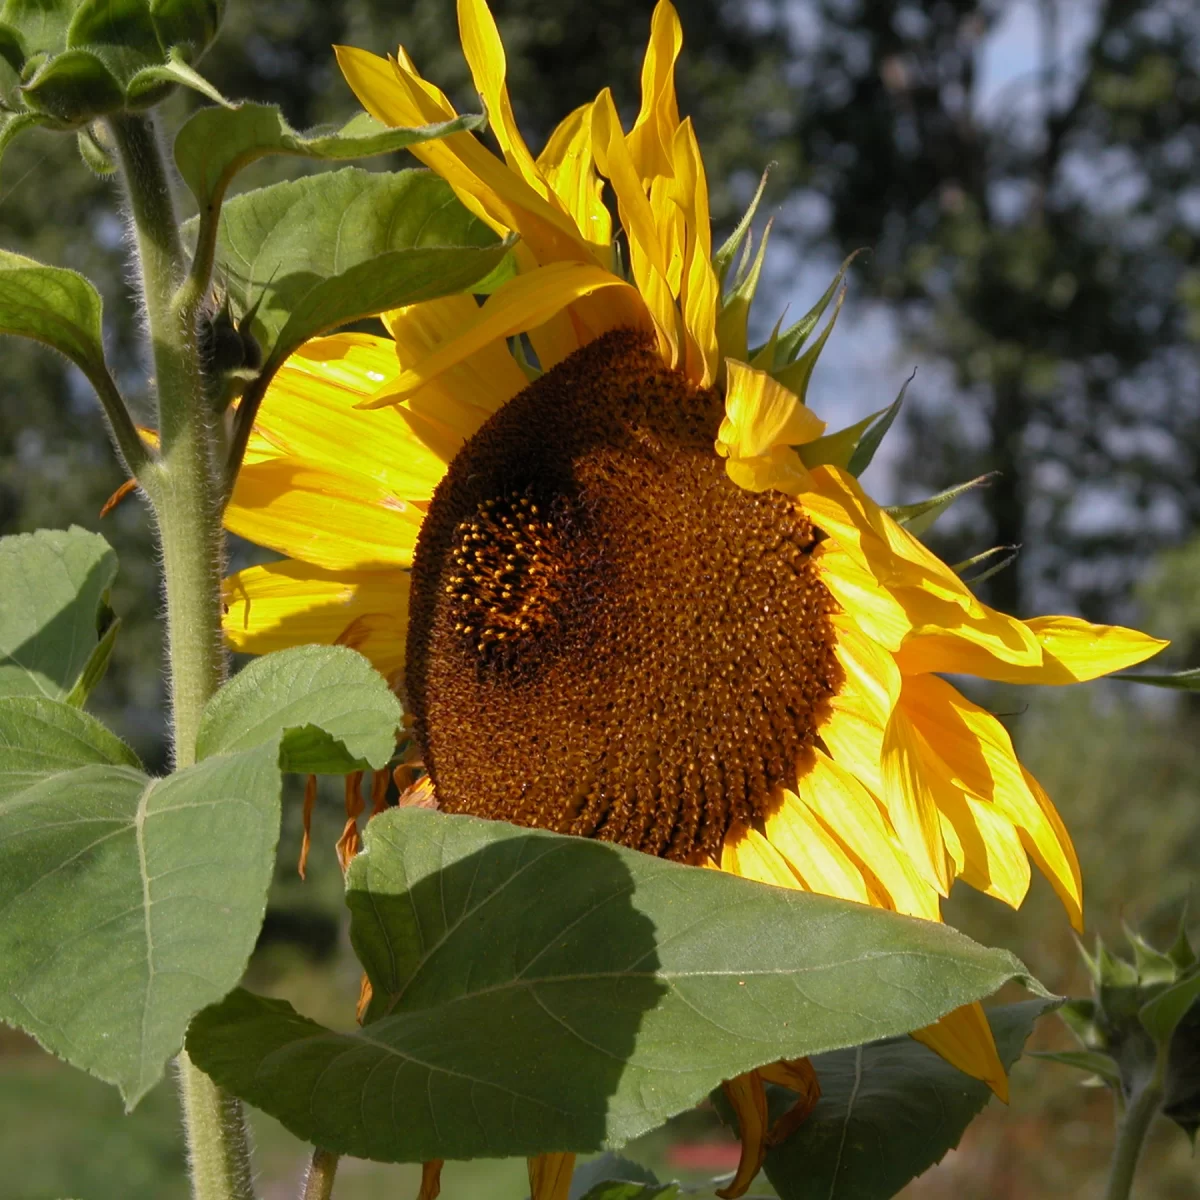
[74, 87]
[1160, 1015]
[888, 1111]
[216, 143]
[614, 1189]
[97, 664]
[536, 992]
[54, 306]
[333, 712]
[52, 587]
[609, 1168]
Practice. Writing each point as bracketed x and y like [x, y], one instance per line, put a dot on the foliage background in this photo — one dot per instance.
[1023, 172]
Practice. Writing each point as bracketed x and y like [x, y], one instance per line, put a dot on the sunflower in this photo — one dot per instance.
[617, 567]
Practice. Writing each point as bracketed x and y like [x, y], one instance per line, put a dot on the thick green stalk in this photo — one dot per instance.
[185, 491]
[1132, 1126]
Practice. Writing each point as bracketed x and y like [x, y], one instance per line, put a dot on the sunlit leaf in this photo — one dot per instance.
[332, 709]
[216, 143]
[537, 992]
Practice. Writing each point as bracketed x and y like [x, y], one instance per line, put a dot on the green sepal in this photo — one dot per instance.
[73, 87]
[1181, 952]
[95, 156]
[1161, 1015]
[723, 259]
[989, 556]
[189, 25]
[920, 516]
[1094, 1062]
[870, 441]
[1152, 965]
[12, 125]
[795, 375]
[1183, 681]
[1080, 1015]
[12, 48]
[153, 83]
[734, 316]
[791, 341]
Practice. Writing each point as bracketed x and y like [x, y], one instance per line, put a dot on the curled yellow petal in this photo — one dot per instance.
[550, 1176]
[748, 1099]
[520, 304]
[654, 130]
[760, 414]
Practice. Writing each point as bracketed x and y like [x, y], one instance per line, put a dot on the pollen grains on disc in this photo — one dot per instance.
[607, 637]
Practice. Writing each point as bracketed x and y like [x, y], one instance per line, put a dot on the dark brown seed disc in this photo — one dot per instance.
[607, 637]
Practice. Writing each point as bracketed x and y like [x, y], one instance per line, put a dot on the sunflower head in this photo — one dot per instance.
[641, 597]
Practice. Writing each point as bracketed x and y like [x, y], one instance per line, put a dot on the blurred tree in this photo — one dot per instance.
[1039, 244]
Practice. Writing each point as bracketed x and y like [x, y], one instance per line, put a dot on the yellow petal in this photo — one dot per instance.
[747, 853]
[647, 259]
[654, 130]
[748, 1099]
[779, 469]
[761, 413]
[484, 53]
[909, 797]
[550, 1176]
[984, 846]
[569, 167]
[309, 415]
[812, 852]
[290, 603]
[520, 304]
[485, 381]
[1073, 651]
[328, 518]
[874, 609]
[964, 1039]
[979, 757]
[838, 799]
[869, 669]
[701, 293]
[855, 739]
[392, 92]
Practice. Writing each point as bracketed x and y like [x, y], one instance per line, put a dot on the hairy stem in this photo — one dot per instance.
[185, 492]
[1132, 1126]
[318, 1180]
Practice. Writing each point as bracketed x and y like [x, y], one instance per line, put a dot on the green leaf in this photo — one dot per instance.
[342, 245]
[216, 143]
[41, 24]
[1160, 1015]
[608, 1170]
[333, 712]
[54, 306]
[1093, 1061]
[536, 992]
[127, 903]
[97, 664]
[54, 584]
[142, 87]
[74, 87]
[41, 738]
[1187, 681]
[919, 517]
[615, 1189]
[888, 1111]
[871, 440]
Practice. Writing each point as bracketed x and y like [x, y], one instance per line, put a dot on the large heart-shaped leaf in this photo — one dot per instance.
[888, 1111]
[52, 589]
[342, 245]
[216, 143]
[536, 992]
[126, 903]
[332, 709]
